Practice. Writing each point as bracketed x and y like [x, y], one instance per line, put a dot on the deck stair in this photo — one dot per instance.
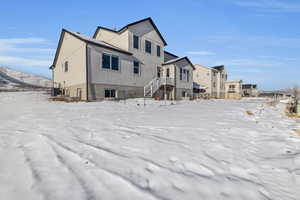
[155, 84]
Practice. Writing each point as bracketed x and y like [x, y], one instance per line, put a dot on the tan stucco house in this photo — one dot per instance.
[212, 78]
[126, 63]
[233, 89]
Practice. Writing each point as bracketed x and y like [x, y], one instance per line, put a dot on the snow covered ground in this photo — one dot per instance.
[123, 150]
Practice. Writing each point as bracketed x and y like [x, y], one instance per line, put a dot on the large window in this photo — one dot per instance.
[105, 61]
[136, 67]
[110, 62]
[158, 50]
[66, 66]
[136, 42]
[148, 46]
[115, 63]
[168, 72]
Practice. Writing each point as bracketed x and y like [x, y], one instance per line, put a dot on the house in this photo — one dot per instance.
[126, 63]
[233, 89]
[249, 90]
[213, 79]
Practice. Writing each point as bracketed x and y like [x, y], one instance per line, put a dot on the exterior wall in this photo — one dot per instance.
[76, 91]
[184, 84]
[211, 78]
[205, 77]
[116, 39]
[221, 80]
[122, 91]
[179, 95]
[180, 85]
[149, 62]
[73, 51]
[124, 76]
[237, 94]
[250, 92]
[214, 83]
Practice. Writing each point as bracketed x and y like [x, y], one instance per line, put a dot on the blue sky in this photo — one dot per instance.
[258, 41]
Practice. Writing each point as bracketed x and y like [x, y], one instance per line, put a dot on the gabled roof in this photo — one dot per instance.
[219, 68]
[128, 25]
[171, 54]
[86, 40]
[179, 59]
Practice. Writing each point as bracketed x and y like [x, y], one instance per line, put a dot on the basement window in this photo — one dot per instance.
[109, 93]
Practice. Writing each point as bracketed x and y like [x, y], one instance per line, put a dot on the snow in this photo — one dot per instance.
[23, 78]
[124, 150]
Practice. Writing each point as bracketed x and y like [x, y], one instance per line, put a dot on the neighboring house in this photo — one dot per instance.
[221, 80]
[127, 63]
[212, 78]
[250, 90]
[233, 89]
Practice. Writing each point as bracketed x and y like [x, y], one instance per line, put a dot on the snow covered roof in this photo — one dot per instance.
[179, 59]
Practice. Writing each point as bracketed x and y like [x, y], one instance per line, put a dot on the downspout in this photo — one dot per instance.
[87, 72]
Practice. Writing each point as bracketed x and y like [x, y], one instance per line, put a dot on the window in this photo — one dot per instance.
[180, 74]
[110, 62]
[187, 75]
[232, 88]
[105, 61]
[136, 67]
[214, 84]
[183, 94]
[115, 63]
[136, 42]
[158, 72]
[168, 72]
[109, 93]
[148, 46]
[158, 50]
[66, 66]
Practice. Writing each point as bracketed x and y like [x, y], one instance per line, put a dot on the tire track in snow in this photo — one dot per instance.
[88, 193]
[116, 174]
[37, 177]
[107, 150]
[153, 137]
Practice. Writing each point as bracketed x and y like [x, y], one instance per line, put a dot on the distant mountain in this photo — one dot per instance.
[12, 79]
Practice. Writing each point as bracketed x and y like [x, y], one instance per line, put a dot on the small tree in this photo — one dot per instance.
[296, 93]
